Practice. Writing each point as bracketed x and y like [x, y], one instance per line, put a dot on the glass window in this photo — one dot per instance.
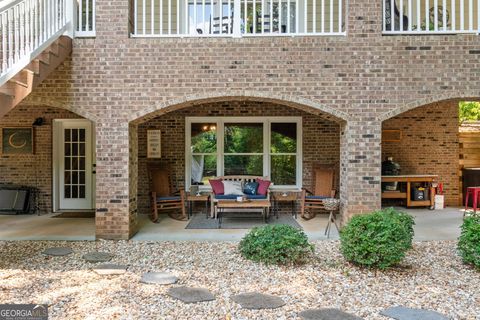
[243, 151]
[243, 137]
[284, 138]
[203, 145]
[204, 137]
[244, 165]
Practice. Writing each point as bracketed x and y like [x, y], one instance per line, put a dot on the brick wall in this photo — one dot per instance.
[33, 170]
[320, 139]
[429, 144]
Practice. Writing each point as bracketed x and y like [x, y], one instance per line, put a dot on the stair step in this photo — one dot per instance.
[44, 57]
[7, 92]
[54, 48]
[24, 77]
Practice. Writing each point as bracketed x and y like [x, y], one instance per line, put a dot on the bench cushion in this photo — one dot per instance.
[234, 197]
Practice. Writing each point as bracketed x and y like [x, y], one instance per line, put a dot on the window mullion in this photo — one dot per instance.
[266, 148]
[220, 146]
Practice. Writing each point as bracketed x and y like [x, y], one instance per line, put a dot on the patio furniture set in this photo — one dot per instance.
[234, 194]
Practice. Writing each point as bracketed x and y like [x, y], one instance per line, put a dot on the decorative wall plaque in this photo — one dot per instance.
[17, 140]
[154, 144]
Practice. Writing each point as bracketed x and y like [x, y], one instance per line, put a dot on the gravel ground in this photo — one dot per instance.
[432, 276]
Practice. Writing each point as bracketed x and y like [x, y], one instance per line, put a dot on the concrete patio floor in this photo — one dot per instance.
[430, 225]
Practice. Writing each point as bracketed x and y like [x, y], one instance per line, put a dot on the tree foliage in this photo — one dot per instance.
[469, 110]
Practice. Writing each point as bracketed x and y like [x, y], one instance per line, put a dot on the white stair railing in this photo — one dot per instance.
[27, 27]
[237, 18]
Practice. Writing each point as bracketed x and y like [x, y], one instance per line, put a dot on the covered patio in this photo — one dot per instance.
[430, 225]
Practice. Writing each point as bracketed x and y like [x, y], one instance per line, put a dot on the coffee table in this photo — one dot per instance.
[232, 204]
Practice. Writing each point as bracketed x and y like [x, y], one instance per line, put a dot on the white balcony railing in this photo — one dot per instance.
[431, 16]
[85, 24]
[27, 27]
[237, 18]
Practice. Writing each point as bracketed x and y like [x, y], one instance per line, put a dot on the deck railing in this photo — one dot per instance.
[85, 24]
[27, 27]
[431, 16]
[237, 18]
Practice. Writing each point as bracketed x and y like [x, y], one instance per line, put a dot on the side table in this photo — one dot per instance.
[192, 198]
[291, 196]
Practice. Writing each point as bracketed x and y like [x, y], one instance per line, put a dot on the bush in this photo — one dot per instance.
[276, 244]
[379, 239]
[469, 242]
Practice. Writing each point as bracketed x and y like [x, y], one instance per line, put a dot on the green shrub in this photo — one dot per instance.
[379, 239]
[276, 244]
[469, 242]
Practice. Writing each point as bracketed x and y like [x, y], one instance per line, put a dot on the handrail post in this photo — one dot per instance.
[70, 15]
[237, 33]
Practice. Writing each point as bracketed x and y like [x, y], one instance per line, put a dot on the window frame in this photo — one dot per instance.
[267, 154]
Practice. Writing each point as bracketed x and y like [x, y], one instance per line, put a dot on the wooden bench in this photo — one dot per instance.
[243, 180]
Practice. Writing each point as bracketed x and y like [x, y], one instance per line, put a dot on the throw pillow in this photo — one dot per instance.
[217, 186]
[250, 188]
[263, 186]
[232, 187]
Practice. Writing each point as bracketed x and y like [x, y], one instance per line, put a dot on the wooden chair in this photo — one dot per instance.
[323, 187]
[163, 197]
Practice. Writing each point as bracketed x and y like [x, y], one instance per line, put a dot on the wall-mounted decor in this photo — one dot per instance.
[154, 144]
[17, 140]
[391, 135]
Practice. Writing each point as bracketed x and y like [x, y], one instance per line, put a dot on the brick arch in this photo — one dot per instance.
[196, 99]
[33, 100]
[471, 96]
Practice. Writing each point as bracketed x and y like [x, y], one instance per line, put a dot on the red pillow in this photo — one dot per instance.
[217, 186]
[263, 187]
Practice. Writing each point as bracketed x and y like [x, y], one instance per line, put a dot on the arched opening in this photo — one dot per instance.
[233, 136]
[425, 141]
[47, 161]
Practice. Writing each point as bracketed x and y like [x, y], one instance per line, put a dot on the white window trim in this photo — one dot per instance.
[220, 121]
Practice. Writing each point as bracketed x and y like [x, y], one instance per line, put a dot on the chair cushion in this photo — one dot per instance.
[168, 198]
[316, 197]
[232, 187]
[234, 197]
[250, 188]
[217, 186]
[263, 186]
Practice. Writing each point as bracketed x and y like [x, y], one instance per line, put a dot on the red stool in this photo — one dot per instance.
[475, 193]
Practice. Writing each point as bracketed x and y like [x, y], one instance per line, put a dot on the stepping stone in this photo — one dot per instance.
[158, 278]
[327, 314]
[404, 313]
[57, 251]
[109, 269]
[97, 256]
[255, 300]
[191, 295]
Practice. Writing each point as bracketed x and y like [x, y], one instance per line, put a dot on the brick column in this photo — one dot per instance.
[360, 167]
[113, 219]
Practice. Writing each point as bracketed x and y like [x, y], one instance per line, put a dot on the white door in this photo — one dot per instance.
[73, 164]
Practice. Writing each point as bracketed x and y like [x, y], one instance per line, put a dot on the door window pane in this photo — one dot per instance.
[284, 168]
[243, 165]
[283, 138]
[204, 167]
[243, 137]
[204, 137]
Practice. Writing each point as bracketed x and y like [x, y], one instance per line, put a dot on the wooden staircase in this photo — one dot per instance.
[22, 84]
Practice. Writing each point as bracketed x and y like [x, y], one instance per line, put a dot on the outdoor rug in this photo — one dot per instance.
[75, 215]
[239, 221]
